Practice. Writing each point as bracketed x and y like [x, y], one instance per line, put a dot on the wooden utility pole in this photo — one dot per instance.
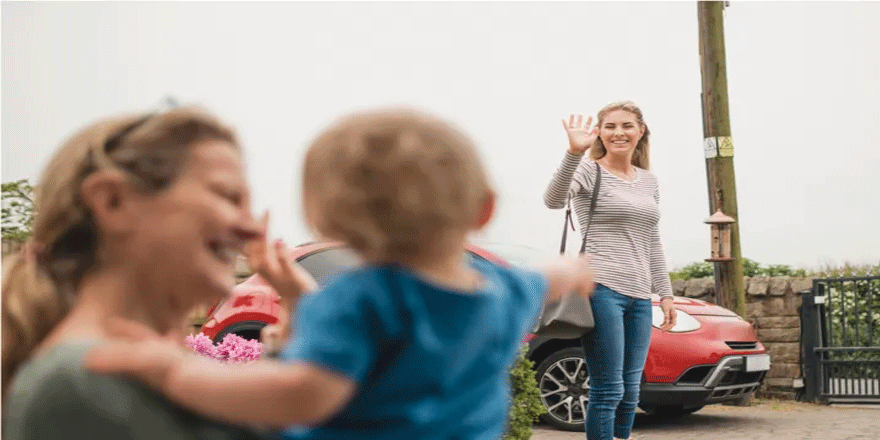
[729, 289]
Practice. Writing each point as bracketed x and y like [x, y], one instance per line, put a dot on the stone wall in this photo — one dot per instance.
[772, 306]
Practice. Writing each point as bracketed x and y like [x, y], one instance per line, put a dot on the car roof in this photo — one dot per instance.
[303, 250]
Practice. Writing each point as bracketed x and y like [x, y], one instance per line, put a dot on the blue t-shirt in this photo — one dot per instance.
[430, 362]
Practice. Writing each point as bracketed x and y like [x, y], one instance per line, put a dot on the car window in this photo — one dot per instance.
[324, 264]
[518, 255]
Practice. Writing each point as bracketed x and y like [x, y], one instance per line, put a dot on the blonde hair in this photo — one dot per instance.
[641, 156]
[39, 285]
[394, 184]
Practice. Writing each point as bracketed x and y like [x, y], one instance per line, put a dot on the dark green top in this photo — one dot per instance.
[53, 397]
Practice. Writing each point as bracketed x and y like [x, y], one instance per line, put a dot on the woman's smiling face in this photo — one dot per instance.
[620, 132]
[189, 234]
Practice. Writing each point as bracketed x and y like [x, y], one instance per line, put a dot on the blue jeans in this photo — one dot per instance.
[615, 351]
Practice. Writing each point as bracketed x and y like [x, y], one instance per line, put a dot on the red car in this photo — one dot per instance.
[711, 356]
[253, 304]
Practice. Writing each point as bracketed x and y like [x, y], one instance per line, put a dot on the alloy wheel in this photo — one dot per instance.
[564, 390]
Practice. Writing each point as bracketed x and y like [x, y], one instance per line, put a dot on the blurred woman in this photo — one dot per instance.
[140, 218]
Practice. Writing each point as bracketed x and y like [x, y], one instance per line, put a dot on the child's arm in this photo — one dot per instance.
[568, 275]
[261, 392]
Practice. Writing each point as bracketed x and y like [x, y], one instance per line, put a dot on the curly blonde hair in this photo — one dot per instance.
[395, 184]
[641, 157]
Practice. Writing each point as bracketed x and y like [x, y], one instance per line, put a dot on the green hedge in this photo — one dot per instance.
[854, 321]
[752, 268]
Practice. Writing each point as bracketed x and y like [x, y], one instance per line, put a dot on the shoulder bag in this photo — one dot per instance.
[572, 316]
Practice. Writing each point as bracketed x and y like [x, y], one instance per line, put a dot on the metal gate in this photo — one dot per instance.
[840, 325]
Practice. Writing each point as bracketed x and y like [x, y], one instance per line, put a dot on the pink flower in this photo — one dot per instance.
[201, 344]
[232, 348]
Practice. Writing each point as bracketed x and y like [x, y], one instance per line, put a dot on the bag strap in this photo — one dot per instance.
[565, 223]
[568, 217]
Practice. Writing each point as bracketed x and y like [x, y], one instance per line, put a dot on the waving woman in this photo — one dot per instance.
[626, 256]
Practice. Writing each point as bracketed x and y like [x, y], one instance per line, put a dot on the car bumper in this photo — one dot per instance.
[727, 380]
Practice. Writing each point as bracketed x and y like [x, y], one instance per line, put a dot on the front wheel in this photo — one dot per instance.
[245, 329]
[562, 382]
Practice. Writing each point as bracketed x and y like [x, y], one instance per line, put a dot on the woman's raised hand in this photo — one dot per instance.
[580, 135]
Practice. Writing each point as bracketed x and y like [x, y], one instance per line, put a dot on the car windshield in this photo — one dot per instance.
[322, 265]
[518, 255]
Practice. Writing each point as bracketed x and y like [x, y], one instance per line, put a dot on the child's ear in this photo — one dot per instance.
[487, 210]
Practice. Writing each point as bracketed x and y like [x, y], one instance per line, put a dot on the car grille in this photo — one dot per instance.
[740, 377]
[735, 384]
[695, 375]
[740, 345]
[726, 380]
[731, 392]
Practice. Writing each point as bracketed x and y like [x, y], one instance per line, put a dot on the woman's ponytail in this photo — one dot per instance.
[32, 307]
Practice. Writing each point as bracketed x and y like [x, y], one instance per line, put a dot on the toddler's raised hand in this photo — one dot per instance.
[569, 274]
[273, 263]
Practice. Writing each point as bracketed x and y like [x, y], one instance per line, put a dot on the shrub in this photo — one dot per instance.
[693, 270]
[18, 210]
[751, 268]
[851, 318]
[201, 344]
[525, 405]
[847, 270]
[232, 348]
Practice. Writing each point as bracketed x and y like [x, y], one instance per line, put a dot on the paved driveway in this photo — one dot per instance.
[763, 420]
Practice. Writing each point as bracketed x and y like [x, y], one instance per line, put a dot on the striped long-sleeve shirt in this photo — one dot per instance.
[624, 238]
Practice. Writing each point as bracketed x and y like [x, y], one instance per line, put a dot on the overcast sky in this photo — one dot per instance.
[804, 83]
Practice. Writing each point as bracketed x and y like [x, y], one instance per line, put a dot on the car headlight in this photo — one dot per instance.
[683, 322]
